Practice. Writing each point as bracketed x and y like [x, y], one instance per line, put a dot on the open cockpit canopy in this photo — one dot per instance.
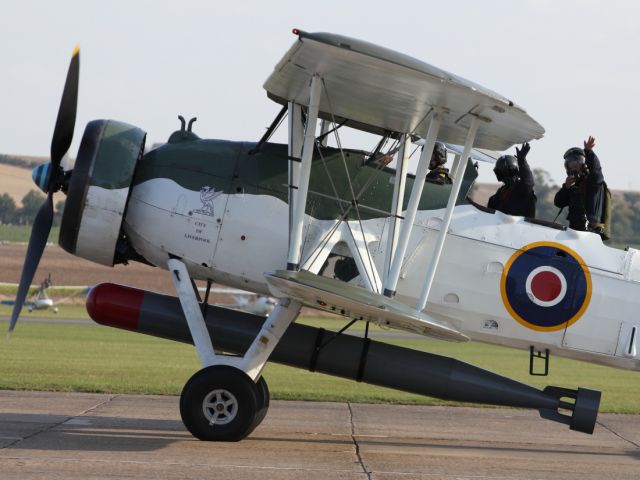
[378, 90]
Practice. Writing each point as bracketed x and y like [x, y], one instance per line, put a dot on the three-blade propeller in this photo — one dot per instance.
[62, 137]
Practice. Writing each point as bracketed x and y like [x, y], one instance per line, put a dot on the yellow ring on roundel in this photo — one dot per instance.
[522, 321]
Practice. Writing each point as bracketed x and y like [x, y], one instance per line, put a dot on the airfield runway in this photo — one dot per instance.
[90, 436]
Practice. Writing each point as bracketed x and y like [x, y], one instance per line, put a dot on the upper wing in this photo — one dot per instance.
[378, 89]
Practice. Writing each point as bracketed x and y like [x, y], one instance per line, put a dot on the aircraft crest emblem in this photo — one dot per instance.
[207, 195]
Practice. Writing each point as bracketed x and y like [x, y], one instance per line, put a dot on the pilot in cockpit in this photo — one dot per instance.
[515, 196]
[585, 191]
[438, 174]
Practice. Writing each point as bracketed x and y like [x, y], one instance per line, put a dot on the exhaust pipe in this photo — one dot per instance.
[344, 356]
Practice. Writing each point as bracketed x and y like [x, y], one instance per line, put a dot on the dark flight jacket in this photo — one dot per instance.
[585, 198]
[440, 176]
[517, 198]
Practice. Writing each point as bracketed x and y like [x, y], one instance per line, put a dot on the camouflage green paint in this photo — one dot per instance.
[194, 163]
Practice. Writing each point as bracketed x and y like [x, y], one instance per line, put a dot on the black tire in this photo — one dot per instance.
[222, 393]
[263, 403]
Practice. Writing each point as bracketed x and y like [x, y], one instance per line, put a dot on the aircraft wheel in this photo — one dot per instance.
[219, 403]
[263, 403]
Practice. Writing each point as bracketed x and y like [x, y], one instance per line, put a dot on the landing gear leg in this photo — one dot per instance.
[228, 398]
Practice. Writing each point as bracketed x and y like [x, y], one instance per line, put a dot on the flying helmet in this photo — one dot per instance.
[574, 154]
[506, 167]
[439, 156]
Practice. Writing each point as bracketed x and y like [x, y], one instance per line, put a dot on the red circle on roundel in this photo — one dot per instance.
[546, 286]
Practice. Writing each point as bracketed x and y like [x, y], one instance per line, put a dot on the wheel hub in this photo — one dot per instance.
[220, 407]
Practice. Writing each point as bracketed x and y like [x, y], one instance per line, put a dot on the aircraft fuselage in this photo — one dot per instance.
[501, 280]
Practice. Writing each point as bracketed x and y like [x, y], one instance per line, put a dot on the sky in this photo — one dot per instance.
[572, 64]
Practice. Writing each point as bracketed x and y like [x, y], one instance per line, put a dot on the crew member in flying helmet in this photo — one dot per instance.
[437, 173]
[515, 196]
[585, 191]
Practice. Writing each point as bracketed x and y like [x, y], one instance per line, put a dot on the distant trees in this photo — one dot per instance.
[545, 190]
[57, 217]
[7, 209]
[625, 219]
[31, 203]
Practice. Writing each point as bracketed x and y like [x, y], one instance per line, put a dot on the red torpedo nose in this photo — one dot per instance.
[115, 305]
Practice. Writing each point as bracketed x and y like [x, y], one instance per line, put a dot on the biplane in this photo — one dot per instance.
[337, 229]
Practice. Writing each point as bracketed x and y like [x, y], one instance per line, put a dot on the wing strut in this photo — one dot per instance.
[267, 135]
[412, 207]
[296, 137]
[396, 207]
[295, 232]
[453, 196]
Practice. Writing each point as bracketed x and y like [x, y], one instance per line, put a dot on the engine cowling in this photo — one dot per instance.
[98, 190]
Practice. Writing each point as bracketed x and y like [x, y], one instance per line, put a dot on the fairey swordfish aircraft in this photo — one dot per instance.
[338, 230]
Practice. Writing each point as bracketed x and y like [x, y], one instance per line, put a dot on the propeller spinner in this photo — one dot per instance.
[49, 178]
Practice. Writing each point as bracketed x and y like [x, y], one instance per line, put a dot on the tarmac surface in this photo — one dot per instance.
[91, 436]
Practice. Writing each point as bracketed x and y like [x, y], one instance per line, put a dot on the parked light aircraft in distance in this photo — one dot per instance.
[244, 301]
[38, 300]
[336, 229]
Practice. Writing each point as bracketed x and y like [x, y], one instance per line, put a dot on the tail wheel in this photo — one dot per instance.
[220, 403]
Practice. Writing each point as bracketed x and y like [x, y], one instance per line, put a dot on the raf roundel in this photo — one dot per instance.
[546, 286]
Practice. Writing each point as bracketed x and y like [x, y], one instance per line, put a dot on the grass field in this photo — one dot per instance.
[20, 233]
[73, 312]
[10, 290]
[99, 359]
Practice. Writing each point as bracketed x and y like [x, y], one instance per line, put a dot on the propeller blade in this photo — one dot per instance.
[37, 242]
[62, 137]
[63, 131]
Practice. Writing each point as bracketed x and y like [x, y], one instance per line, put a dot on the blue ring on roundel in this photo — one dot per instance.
[546, 317]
